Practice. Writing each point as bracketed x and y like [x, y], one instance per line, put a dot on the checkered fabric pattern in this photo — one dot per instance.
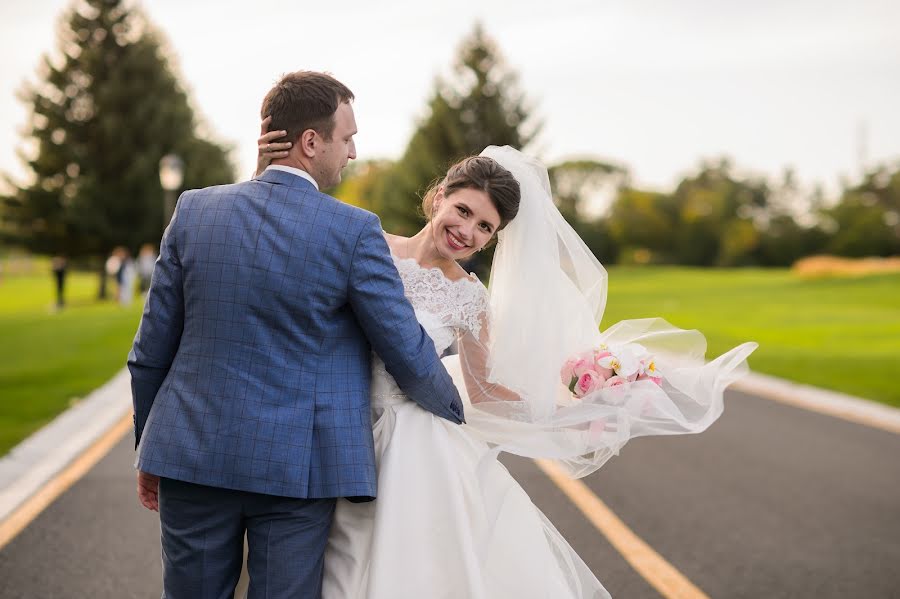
[251, 366]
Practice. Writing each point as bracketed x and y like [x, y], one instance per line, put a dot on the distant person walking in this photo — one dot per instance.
[125, 278]
[121, 267]
[112, 266]
[145, 262]
[59, 266]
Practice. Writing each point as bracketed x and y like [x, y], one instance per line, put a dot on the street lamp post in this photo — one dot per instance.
[171, 175]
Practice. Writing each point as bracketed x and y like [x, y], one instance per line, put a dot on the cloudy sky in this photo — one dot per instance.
[655, 84]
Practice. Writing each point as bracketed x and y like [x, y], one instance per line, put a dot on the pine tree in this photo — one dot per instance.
[479, 105]
[102, 116]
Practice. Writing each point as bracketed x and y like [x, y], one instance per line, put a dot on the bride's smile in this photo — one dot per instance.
[454, 242]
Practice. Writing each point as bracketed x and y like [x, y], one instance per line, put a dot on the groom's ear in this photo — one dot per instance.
[308, 143]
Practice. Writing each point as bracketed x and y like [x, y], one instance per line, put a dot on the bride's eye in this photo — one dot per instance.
[462, 210]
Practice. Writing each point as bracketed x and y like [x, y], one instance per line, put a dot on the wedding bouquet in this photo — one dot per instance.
[608, 366]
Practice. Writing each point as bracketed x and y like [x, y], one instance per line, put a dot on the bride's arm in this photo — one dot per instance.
[474, 352]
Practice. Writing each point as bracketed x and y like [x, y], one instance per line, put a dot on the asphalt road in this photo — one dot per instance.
[772, 501]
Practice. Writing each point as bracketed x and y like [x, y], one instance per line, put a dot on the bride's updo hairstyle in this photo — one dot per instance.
[484, 174]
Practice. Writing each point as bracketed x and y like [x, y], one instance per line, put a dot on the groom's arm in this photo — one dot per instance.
[389, 322]
[159, 332]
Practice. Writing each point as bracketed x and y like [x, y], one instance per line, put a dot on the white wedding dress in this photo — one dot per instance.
[449, 521]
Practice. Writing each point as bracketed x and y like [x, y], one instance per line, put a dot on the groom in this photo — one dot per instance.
[250, 368]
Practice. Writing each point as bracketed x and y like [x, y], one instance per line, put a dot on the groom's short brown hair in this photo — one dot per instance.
[305, 100]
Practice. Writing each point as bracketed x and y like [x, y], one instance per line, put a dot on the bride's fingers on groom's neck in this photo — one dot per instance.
[273, 135]
[264, 126]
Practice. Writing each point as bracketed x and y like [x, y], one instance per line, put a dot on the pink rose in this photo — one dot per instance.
[600, 354]
[615, 381]
[587, 382]
[583, 366]
[567, 372]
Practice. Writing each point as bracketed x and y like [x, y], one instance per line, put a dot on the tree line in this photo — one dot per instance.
[715, 217]
[110, 105]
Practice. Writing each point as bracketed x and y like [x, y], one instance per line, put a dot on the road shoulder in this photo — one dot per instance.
[34, 462]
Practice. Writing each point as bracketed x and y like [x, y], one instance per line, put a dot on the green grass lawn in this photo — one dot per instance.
[49, 359]
[839, 333]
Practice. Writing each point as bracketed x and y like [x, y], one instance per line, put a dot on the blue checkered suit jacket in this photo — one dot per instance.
[251, 366]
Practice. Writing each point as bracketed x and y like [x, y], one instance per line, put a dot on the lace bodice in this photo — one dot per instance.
[444, 308]
[457, 305]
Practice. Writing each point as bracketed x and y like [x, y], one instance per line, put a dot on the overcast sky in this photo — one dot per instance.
[655, 84]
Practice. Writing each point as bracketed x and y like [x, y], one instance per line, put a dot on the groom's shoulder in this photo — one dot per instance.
[215, 191]
[336, 212]
[353, 214]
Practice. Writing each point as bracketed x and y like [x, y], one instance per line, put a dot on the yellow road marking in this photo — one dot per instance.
[37, 503]
[662, 575]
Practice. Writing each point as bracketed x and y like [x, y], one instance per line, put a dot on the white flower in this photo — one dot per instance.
[611, 361]
[648, 366]
[624, 359]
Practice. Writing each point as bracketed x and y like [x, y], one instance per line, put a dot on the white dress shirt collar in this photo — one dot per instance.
[293, 171]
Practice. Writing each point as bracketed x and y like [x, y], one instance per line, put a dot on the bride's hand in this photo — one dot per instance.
[267, 149]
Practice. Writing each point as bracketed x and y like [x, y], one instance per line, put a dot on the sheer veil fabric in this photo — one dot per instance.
[547, 295]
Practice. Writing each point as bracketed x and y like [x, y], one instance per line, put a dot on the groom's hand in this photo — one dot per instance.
[148, 490]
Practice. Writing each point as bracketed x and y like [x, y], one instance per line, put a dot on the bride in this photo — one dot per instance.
[450, 521]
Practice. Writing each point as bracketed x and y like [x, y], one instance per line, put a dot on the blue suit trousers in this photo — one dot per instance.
[203, 528]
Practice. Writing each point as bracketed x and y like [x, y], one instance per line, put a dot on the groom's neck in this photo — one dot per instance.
[296, 162]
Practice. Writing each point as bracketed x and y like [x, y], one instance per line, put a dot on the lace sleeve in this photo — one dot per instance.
[474, 339]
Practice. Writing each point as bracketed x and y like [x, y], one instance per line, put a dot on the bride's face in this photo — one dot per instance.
[463, 222]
